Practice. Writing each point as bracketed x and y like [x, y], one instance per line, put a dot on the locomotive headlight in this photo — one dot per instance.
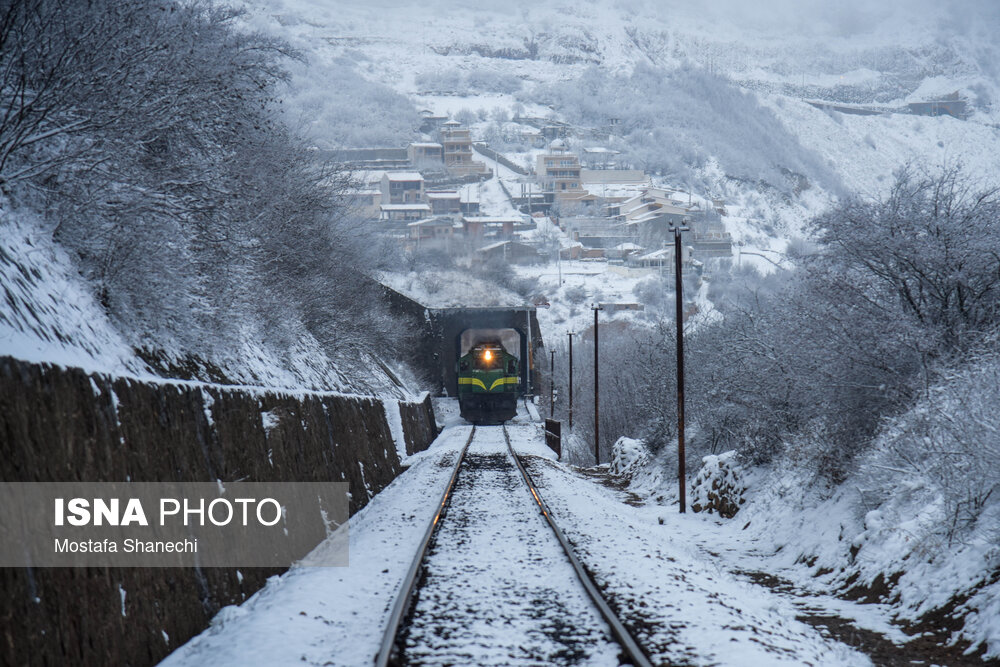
[487, 355]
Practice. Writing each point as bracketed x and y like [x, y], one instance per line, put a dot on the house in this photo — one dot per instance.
[662, 260]
[444, 202]
[425, 154]
[597, 232]
[403, 212]
[614, 186]
[430, 122]
[513, 252]
[431, 230]
[457, 150]
[558, 172]
[652, 203]
[402, 187]
[624, 250]
[572, 251]
[469, 199]
[482, 227]
[366, 203]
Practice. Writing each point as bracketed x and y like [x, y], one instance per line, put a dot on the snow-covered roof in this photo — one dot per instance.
[431, 222]
[657, 254]
[493, 246]
[406, 207]
[488, 219]
[426, 144]
[442, 195]
[404, 176]
[451, 289]
[628, 246]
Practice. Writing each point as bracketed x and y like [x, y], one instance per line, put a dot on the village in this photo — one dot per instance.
[572, 200]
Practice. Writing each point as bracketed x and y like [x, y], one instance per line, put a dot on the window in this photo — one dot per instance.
[491, 364]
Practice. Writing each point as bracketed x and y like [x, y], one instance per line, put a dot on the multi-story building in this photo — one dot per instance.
[425, 154]
[457, 142]
[444, 202]
[402, 187]
[558, 172]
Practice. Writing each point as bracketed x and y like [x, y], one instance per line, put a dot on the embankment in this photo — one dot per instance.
[64, 424]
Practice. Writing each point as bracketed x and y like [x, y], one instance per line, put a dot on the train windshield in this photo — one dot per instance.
[488, 358]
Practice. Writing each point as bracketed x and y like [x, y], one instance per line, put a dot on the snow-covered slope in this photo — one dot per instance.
[48, 314]
[447, 56]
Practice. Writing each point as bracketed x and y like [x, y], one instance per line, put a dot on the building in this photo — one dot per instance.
[489, 227]
[649, 204]
[457, 150]
[949, 105]
[597, 232]
[431, 232]
[512, 252]
[469, 199]
[558, 172]
[444, 202]
[402, 187]
[366, 203]
[430, 122]
[425, 154]
[403, 212]
[622, 251]
[661, 260]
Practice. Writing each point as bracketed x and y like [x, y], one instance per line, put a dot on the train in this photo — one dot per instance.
[489, 383]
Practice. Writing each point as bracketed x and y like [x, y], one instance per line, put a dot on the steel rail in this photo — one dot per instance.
[408, 587]
[618, 629]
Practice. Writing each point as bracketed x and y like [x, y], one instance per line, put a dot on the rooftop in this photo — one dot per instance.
[404, 176]
[406, 207]
[489, 219]
[432, 222]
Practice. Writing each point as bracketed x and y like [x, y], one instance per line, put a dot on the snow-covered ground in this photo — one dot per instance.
[679, 582]
[823, 549]
[334, 616]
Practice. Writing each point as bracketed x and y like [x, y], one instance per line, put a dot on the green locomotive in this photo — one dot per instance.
[489, 382]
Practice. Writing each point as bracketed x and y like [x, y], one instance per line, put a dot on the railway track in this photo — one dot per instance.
[490, 583]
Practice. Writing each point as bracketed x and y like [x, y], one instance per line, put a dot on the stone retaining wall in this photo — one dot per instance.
[63, 424]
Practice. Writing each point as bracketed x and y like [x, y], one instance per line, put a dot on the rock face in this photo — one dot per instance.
[59, 424]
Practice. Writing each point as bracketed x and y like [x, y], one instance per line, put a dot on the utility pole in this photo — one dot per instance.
[679, 294]
[527, 352]
[552, 384]
[597, 394]
[570, 334]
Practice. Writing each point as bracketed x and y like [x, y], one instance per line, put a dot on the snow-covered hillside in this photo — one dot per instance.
[448, 56]
[50, 315]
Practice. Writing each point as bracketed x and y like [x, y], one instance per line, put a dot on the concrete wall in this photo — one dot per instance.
[60, 424]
